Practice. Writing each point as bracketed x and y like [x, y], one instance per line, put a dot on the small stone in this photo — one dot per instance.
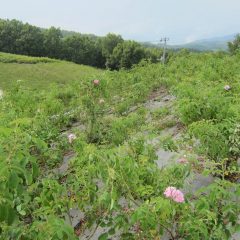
[71, 137]
[227, 87]
[101, 101]
[1, 93]
[238, 162]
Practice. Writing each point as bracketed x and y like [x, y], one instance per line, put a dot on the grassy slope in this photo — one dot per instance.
[39, 72]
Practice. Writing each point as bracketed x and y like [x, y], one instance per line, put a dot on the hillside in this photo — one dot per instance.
[111, 51]
[211, 44]
[146, 153]
[40, 72]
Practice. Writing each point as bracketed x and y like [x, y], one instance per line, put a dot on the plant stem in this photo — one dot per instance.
[95, 229]
[173, 238]
[68, 213]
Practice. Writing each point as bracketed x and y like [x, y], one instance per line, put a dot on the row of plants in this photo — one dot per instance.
[208, 104]
[113, 178]
[12, 58]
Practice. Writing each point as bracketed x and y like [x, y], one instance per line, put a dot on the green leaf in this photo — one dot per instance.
[111, 231]
[3, 213]
[22, 212]
[28, 177]
[103, 236]
[112, 204]
[13, 180]
[11, 216]
[5, 132]
[35, 170]
[22, 121]
[19, 207]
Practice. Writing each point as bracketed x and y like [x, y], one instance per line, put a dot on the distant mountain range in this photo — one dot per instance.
[211, 44]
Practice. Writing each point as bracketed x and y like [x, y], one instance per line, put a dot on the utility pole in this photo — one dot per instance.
[163, 58]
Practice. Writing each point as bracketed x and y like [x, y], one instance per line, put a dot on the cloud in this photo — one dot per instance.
[185, 20]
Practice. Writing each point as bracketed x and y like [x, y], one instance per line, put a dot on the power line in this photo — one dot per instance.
[162, 42]
[163, 58]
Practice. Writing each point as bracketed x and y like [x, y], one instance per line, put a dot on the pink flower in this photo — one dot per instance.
[71, 137]
[169, 190]
[96, 82]
[174, 194]
[182, 160]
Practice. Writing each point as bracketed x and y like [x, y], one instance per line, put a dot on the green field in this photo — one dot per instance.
[40, 72]
[85, 159]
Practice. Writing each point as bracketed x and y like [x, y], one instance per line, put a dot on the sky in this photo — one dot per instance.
[182, 21]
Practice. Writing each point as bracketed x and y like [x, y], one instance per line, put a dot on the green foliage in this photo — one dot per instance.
[234, 140]
[160, 113]
[125, 55]
[80, 49]
[122, 127]
[9, 33]
[29, 201]
[234, 46]
[30, 41]
[211, 216]
[113, 178]
[203, 104]
[52, 43]
[12, 58]
[93, 103]
[40, 73]
[212, 140]
[19, 38]
[109, 42]
[168, 143]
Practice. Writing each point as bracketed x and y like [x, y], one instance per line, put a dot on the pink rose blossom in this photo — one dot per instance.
[168, 191]
[96, 82]
[182, 160]
[71, 137]
[174, 194]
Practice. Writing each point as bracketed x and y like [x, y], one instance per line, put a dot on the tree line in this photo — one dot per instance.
[110, 51]
[234, 46]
